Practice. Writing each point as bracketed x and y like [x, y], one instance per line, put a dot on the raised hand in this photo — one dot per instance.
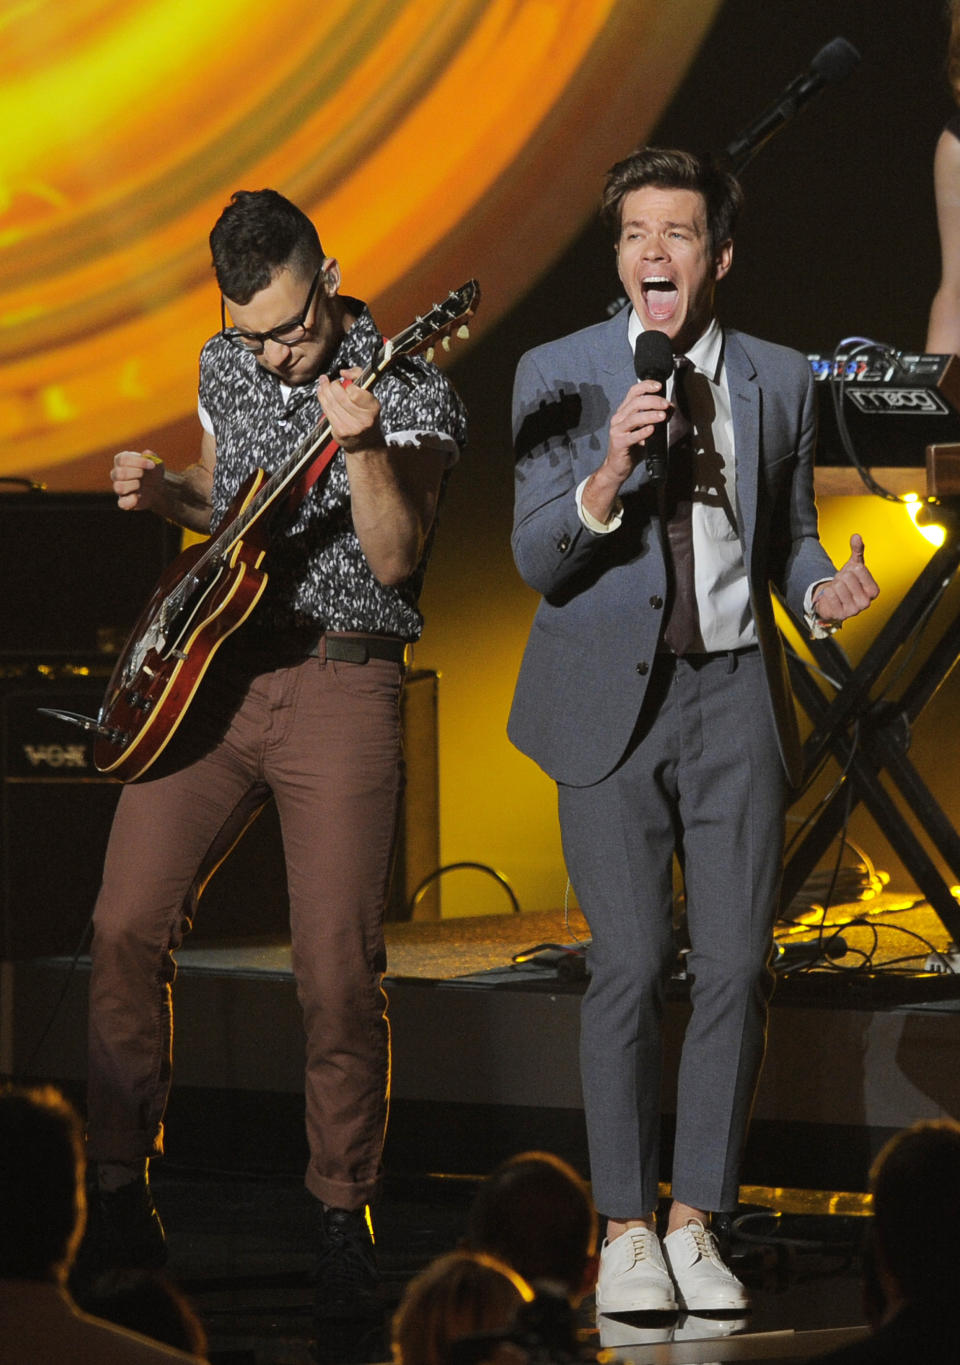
[137, 479]
[633, 422]
[849, 592]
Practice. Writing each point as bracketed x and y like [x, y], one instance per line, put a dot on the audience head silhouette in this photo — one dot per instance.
[535, 1213]
[41, 1184]
[460, 1295]
[917, 1256]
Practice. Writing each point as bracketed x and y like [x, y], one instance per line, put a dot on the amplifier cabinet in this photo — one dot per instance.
[57, 809]
[56, 815]
[76, 573]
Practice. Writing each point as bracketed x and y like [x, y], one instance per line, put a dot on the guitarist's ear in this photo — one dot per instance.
[331, 276]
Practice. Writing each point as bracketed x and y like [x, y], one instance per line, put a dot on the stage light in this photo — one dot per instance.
[923, 515]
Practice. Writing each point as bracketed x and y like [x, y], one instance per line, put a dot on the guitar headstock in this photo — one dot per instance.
[451, 317]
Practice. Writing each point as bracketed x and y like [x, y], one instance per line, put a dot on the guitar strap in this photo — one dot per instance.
[300, 487]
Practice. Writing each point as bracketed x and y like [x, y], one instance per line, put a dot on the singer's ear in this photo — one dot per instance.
[723, 260]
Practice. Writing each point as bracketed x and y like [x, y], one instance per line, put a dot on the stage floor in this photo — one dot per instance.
[485, 1049]
[893, 930]
[485, 1064]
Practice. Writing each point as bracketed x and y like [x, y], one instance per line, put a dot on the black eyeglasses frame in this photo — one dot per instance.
[255, 342]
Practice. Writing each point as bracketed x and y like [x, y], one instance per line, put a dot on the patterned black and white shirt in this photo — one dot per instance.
[318, 578]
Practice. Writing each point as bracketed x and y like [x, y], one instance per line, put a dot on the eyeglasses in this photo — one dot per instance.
[285, 335]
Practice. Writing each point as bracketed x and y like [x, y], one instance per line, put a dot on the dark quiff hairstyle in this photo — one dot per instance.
[257, 234]
[42, 1204]
[668, 169]
[920, 1165]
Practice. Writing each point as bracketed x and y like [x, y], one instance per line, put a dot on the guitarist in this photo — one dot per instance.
[302, 701]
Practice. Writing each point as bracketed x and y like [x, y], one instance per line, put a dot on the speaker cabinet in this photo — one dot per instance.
[56, 814]
[57, 809]
[76, 572]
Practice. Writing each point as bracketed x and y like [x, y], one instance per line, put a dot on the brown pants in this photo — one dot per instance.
[324, 737]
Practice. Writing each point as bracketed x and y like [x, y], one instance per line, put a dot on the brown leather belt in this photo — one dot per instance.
[358, 648]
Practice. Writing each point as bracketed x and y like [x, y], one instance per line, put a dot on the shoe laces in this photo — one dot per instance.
[639, 1241]
[705, 1242]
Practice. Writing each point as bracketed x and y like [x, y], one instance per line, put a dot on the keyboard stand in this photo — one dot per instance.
[868, 733]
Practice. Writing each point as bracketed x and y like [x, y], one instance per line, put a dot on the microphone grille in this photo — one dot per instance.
[836, 60]
[653, 356]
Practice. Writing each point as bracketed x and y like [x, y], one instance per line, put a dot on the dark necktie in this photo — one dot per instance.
[681, 632]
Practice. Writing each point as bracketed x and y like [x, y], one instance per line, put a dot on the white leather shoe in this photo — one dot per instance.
[633, 1277]
[703, 1281]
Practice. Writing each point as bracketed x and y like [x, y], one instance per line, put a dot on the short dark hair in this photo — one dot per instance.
[670, 169]
[535, 1212]
[920, 1165]
[257, 234]
[41, 1183]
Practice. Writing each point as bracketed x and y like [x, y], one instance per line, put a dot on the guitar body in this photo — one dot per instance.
[184, 623]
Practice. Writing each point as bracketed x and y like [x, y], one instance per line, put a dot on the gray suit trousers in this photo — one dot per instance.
[702, 775]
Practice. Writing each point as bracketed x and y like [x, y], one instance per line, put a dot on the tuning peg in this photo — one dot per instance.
[445, 343]
[463, 332]
[429, 353]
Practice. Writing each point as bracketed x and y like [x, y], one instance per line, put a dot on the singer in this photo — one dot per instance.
[653, 690]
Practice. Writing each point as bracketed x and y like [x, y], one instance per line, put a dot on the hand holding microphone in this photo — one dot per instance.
[638, 428]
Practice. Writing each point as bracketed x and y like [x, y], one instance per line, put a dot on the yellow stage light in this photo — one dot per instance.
[923, 514]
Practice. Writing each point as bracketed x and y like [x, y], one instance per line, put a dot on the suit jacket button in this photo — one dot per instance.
[643, 667]
[563, 544]
[656, 601]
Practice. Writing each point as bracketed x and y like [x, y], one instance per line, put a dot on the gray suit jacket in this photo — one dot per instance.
[591, 648]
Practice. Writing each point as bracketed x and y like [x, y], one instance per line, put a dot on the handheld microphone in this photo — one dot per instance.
[653, 359]
[832, 63]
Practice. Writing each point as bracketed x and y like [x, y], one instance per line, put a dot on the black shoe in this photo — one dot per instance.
[346, 1280]
[123, 1230]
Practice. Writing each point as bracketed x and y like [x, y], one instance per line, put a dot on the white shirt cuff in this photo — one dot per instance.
[818, 631]
[426, 440]
[599, 528]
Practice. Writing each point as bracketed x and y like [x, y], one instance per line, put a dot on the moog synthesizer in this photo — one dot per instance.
[895, 404]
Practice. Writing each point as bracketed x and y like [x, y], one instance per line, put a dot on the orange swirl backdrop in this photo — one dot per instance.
[431, 140]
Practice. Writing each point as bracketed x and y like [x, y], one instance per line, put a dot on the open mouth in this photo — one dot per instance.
[660, 297]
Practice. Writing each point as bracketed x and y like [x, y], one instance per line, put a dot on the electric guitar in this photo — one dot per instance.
[210, 589]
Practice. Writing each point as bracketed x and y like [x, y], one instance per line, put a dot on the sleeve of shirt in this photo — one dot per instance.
[427, 440]
[599, 528]
[818, 631]
[205, 420]
[420, 407]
